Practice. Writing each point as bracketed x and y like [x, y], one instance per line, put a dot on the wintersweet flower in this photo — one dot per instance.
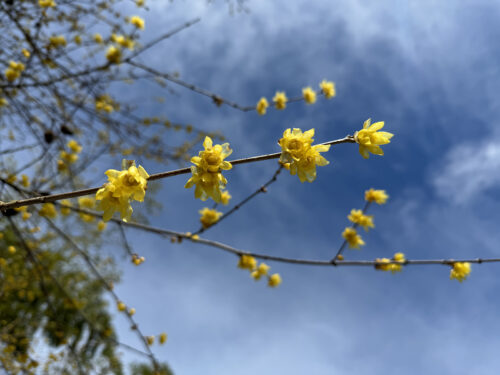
[12, 249]
[274, 280]
[280, 100]
[370, 138]
[47, 3]
[212, 158]
[328, 88]
[209, 217]
[353, 238]
[299, 156]
[163, 338]
[206, 172]
[121, 306]
[309, 95]
[460, 271]
[260, 271]
[98, 38]
[14, 70]
[48, 210]
[377, 196]
[262, 106]
[74, 146]
[358, 217]
[114, 54]
[247, 262]
[137, 22]
[225, 197]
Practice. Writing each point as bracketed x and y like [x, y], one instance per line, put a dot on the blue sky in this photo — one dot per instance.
[429, 69]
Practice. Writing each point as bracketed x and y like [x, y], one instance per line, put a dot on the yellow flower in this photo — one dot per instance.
[353, 238]
[262, 106]
[104, 103]
[150, 340]
[377, 196]
[26, 216]
[123, 41]
[121, 306]
[298, 156]
[247, 262]
[163, 338]
[74, 146]
[212, 158]
[48, 210]
[370, 138]
[114, 55]
[65, 210]
[383, 264]
[328, 88]
[225, 197]
[3, 102]
[25, 53]
[137, 22]
[101, 225]
[56, 41]
[11, 249]
[261, 270]
[78, 39]
[14, 70]
[309, 95]
[460, 271]
[209, 217]
[47, 3]
[68, 157]
[122, 187]
[98, 38]
[131, 311]
[357, 217]
[274, 280]
[25, 181]
[280, 100]
[206, 171]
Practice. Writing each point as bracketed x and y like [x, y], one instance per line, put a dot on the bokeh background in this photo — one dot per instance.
[430, 70]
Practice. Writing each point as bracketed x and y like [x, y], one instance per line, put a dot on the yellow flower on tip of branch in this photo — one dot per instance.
[280, 100]
[206, 172]
[327, 88]
[137, 22]
[370, 138]
[299, 156]
[262, 106]
[163, 338]
[353, 238]
[377, 196]
[358, 217]
[274, 280]
[309, 95]
[122, 187]
[460, 271]
[209, 217]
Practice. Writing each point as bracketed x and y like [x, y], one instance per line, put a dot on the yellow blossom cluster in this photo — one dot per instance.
[206, 172]
[358, 217]
[104, 103]
[114, 54]
[257, 271]
[47, 3]
[137, 22]
[123, 41]
[370, 138]
[209, 217]
[122, 187]
[377, 196]
[137, 260]
[299, 156]
[384, 264]
[48, 210]
[14, 70]
[161, 340]
[70, 157]
[308, 94]
[353, 238]
[460, 271]
[57, 41]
